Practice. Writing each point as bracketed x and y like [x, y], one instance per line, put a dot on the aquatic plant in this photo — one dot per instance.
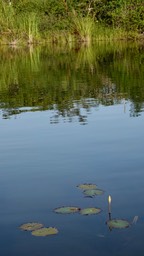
[82, 27]
[93, 192]
[115, 223]
[90, 211]
[118, 223]
[109, 204]
[45, 231]
[87, 186]
[31, 226]
[67, 210]
[28, 28]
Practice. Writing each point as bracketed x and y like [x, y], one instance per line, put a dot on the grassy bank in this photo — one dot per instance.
[35, 21]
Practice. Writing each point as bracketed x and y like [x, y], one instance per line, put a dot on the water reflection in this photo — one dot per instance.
[71, 80]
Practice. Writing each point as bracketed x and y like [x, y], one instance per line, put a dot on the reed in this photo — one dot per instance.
[7, 16]
[16, 27]
[28, 27]
[103, 33]
[82, 27]
[7, 22]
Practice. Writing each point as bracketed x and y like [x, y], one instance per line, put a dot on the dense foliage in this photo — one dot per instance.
[129, 14]
[42, 17]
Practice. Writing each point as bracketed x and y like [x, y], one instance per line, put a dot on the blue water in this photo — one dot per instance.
[41, 163]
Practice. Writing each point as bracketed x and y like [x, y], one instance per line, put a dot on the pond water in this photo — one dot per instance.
[68, 116]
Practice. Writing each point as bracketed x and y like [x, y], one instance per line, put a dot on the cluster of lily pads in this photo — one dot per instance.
[37, 229]
[89, 190]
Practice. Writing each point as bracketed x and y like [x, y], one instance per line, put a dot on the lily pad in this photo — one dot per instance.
[90, 211]
[65, 210]
[93, 192]
[87, 186]
[31, 226]
[118, 223]
[45, 232]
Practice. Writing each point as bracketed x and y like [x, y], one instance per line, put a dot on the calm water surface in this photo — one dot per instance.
[71, 116]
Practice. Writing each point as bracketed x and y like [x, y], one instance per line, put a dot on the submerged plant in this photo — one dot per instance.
[66, 210]
[90, 211]
[45, 231]
[93, 192]
[31, 226]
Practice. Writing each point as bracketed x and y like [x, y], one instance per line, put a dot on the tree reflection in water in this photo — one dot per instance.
[71, 81]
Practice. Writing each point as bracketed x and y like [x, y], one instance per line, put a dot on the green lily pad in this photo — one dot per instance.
[87, 186]
[65, 210]
[93, 192]
[90, 211]
[31, 226]
[45, 232]
[117, 223]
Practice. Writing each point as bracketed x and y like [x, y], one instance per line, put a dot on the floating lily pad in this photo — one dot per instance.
[90, 211]
[65, 210]
[86, 186]
[93, 192]
[31, 226]
[117, 223]
[45, 232]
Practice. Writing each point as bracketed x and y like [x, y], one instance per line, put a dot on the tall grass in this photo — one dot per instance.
[29, 22]
[15, 27]
[82, 27]
[6, 15]
[104, 33]
[29, 27]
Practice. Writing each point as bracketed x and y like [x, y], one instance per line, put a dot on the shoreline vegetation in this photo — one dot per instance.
[66, 21]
